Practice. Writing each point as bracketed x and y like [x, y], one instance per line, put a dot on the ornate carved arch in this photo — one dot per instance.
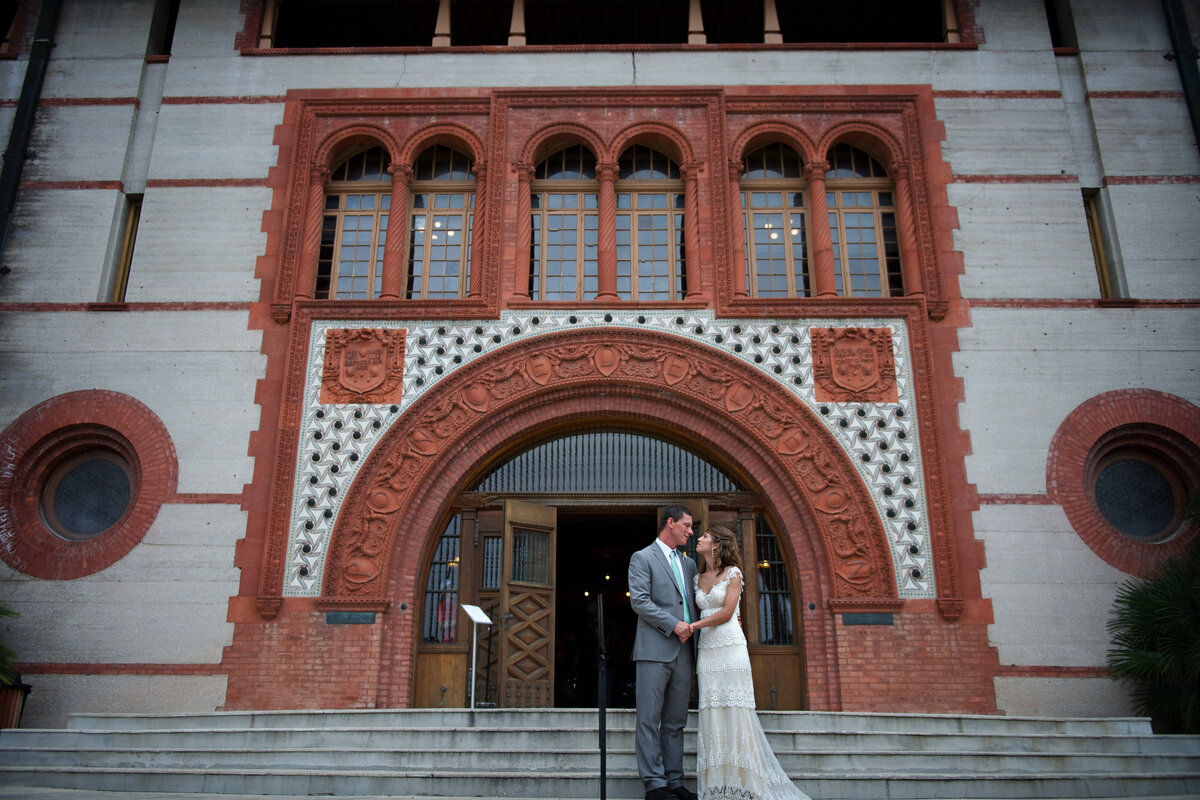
[336, 143]
[774, 131]
[669, 380]
[446, 133]
[659, 134]
[874, 139]
[552, 136]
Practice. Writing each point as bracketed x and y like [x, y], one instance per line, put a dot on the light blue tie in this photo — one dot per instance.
[674, 559]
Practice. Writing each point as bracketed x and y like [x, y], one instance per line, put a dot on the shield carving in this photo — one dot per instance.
[854, 364]
[675, 368]
[539, 368]
[607, 359]
[364, 365]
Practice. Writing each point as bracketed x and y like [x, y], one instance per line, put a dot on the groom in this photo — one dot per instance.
[660, 591]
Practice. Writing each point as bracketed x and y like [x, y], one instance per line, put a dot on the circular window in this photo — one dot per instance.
[1122, 465]
[87, 495]
[1138, 497]
[89, 472]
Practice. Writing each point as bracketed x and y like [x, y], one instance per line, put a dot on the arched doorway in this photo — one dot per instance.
[542, 539]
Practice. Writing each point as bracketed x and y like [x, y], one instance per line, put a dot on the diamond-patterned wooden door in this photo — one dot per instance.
[527, 598]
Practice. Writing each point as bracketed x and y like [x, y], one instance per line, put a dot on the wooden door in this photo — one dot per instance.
[527, 603]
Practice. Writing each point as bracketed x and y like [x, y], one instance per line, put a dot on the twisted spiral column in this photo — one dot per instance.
[606, 174]
[310, 253]
[824, 269]
[691, 228]
[737, 231]
[524, 230]
[910, 264]
[478, 231]
[394, 247]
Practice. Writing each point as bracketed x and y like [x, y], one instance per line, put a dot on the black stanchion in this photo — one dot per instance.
[602, 696]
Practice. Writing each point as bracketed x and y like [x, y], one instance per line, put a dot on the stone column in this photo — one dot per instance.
[691, 228]
[516, 28]
[310, 253]
[395, 249]
[737, 231]
[910, 262]
[824, 269]
[524, 231]
[696, 24]
[771, 32]
[441, 28]
[478, 231]
[606, 174]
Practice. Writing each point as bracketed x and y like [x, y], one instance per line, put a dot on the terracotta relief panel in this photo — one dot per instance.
[363, 365]
[853, 365]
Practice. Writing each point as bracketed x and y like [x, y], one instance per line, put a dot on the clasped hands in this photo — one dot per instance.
[684, 630]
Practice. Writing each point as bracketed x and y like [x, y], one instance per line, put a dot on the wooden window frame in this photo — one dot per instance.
[676, 201]
[428, 215]
[889, 264]
[587, 267]
[799, 282]
[334, 228]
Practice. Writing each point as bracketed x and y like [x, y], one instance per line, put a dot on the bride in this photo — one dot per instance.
[734, 761]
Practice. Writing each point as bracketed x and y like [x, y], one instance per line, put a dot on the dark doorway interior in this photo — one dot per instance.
[594, 547]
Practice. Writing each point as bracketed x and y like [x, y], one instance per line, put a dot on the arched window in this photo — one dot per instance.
[862, 224]
[775, 223]
[443, 203]
[650, 203]
[564, 259]
[354, 229]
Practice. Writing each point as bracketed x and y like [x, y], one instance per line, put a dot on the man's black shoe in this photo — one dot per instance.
[683, 793]
[661, 793]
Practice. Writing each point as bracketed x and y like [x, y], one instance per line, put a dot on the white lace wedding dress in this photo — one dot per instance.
[734, 761]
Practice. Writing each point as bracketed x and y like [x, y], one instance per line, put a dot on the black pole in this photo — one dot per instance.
[487, 670]
[601, 691]
[22, 126]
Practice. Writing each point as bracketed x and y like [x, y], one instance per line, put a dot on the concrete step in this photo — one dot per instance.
[537, 753]
[574, 738]
[567, 718]
[850, 786]
[556, 759]
[43, 793]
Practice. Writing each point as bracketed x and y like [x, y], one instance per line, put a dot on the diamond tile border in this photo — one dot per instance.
[881, 439]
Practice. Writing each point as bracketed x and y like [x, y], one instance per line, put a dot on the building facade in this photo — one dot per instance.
[914, 313]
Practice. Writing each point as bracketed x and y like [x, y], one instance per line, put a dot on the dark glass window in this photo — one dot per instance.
[1137, 498]
[87, 495]
[774, 590]
[607, 462]
[441, 588]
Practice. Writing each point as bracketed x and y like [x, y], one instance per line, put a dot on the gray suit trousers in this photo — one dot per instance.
[663, 690]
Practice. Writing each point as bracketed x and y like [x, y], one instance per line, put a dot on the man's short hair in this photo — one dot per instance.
[675, 512]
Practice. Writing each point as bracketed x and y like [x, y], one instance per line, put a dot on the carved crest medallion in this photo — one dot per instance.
[853, 365]
[363, 365]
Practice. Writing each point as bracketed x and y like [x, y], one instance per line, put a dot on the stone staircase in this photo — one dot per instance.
[555, 754]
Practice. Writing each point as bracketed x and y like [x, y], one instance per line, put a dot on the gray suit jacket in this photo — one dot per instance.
[658, 603]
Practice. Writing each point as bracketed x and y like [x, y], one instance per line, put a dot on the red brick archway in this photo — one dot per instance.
[666, 384]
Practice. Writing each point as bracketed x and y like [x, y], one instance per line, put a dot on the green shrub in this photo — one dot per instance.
[1155, 628]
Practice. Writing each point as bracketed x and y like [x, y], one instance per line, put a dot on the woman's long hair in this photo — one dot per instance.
[727, 552]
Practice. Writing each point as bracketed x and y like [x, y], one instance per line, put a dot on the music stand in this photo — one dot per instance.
[478, 617]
